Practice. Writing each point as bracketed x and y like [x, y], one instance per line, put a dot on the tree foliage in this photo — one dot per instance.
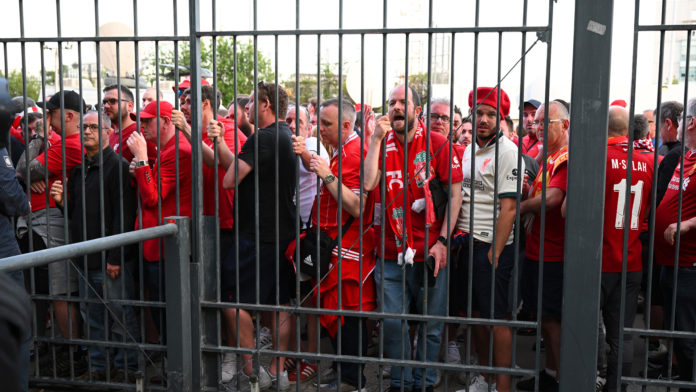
[225, 65]
[308, 85]
[16, 87]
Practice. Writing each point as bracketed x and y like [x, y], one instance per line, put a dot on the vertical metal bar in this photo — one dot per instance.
[179, 347]
[382, 192]
[339, 199]
[470, 255]
[584, 219]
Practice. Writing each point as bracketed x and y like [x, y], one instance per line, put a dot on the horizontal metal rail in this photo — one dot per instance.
[401, 30]
[47, 256]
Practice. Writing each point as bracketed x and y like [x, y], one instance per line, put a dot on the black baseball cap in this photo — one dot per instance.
[71, 101]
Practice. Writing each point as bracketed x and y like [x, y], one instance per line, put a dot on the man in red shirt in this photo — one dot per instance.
[553, 240]
[530, 144]
[684, 267]
[118, 105]
[405, 239]
[46, 219]
[228, 139]
[345, 182]
[615, 223]
[159, 182]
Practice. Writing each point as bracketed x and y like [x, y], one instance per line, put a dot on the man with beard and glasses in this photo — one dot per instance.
[406, 225]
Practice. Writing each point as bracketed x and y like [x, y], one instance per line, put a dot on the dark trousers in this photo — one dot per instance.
[352, 372]
[154, 281]
[610, 303]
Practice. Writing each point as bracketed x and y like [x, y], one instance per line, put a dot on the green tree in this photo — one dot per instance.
[308, 84]
[419, 82]
[225, 65]
[16, 88]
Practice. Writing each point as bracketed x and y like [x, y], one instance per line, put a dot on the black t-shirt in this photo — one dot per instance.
[269, 150]
[666, 169]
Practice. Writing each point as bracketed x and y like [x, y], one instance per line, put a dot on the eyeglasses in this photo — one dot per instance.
[539, 123]
[90, 127]
[434, 117]
[112, 101]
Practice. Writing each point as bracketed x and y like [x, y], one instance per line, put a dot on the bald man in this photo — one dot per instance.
[616, 222]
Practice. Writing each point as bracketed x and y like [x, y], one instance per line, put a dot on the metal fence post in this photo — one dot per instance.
[585, 202]
[177, 251]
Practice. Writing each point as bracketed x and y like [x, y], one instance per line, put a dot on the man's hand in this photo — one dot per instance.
[179, 121]
[38, 186]
[136, 143]
[490, 257]
[131, 167]
[439, 252]
[113, 270]
[318, 165]
[671, 230]
[215, 130]
[298, 146]
[57, 192]
[370, 124]
[382, 127]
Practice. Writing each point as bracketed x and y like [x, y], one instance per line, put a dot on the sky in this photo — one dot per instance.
[156, 18]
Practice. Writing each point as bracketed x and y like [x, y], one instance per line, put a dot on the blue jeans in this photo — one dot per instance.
[684, 314]
[100, 320]
[397, 344]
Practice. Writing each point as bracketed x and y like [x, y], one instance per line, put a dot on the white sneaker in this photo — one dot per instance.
[229, 367]
[479, 384]
[281, 380]
[453, 355]
[265, 338]
[265, 380]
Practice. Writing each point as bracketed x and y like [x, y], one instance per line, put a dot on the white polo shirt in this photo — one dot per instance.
[484, 185]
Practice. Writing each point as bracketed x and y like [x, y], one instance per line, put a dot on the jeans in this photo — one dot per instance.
[352, 372]
[684, 314]
[104, 324]
[397, 344]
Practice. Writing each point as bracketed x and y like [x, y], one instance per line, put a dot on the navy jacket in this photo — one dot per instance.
[13, 203]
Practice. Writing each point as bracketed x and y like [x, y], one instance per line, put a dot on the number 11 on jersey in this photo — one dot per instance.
[637, 190]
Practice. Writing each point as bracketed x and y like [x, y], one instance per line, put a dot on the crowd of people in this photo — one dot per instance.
[418, 207]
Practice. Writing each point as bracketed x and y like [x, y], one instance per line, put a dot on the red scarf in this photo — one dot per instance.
[644, 144]
[396, 180]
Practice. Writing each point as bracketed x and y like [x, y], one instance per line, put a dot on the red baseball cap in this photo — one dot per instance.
[489, 96]
[186, 83]
[150, 110]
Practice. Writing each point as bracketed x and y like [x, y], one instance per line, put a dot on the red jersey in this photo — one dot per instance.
[614, 204]
[531, 145]
[52, 159]
[115, 143]
[666, 214]
[164, 172]
[440, 164]
[554, 233]
[352, 151]
[226, 196]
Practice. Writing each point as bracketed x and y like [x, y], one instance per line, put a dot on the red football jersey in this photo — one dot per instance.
[52, 159]
[226, 199]
[115, 143]
[615, 201]
[667, 214]
[554, 233]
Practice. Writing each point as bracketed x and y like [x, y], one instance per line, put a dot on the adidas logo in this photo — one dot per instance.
[308, 260]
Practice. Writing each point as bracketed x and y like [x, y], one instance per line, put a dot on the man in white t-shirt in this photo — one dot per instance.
[493, 193]
[308, 180]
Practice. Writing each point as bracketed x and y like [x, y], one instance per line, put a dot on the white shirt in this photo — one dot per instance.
[484, 183]
[308, 180]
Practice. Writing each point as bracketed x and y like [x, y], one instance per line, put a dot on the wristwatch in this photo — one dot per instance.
[140, 164]
[442, 240]
[329, 179]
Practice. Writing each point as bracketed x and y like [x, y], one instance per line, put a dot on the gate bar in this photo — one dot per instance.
[586, 173]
